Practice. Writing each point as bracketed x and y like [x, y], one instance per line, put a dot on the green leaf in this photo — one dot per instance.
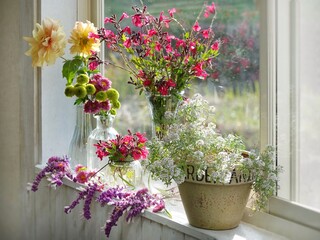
[69, 69]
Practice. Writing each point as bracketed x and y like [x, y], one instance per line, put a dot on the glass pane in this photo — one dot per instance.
[233, 87]
[308, 100]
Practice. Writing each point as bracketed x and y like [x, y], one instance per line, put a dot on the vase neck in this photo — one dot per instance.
[104, 122]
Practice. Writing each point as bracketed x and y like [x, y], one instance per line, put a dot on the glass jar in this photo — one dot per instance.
[78, 145]
[125, 173]
[103, 132]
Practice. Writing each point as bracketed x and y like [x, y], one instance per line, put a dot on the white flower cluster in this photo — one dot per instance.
[192, 139]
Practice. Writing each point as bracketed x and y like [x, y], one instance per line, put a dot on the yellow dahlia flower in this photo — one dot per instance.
[47, 44]
[81, 43]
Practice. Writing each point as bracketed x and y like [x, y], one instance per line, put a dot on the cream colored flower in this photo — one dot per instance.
[81, 43]
[47, 44]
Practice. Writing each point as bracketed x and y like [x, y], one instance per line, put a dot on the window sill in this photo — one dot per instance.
[180, 223]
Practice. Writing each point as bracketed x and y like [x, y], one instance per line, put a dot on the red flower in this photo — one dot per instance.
[152, 32]
[196, 27]
[127, 43]
[163, 90]
[210, 9]
[206, 33]
[124, 15]
[137, 20]
[93, 65]
[171, 12]
[215, 46]
[146, 83]
[171, 83]
[127, 29]
[109, 20]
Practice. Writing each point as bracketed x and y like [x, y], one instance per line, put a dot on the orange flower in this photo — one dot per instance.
[81, 42]
[47, 44]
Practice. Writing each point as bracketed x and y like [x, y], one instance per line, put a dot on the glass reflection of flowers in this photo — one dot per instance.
[238, 64]
[84, 81]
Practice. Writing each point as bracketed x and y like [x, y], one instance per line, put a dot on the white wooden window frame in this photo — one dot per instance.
[275, 61]
[278, 70]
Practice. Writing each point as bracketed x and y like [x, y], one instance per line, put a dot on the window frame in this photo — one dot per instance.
[279, 26]
[277, 58]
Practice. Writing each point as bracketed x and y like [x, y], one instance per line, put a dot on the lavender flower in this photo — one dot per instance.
[91, 190]
[82, 195]
[57, 168]
[132, 202]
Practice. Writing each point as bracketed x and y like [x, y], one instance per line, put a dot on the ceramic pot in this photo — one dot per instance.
[215, 206]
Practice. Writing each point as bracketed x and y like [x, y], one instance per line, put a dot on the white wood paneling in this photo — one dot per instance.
[151, 230]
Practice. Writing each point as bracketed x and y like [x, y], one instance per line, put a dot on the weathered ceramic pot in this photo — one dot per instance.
[215, 206]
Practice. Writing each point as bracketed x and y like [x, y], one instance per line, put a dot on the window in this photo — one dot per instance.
[297, 101]
[281, 86]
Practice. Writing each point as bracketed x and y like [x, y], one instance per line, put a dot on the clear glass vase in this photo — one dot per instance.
[160, 109]
[161, 106]
[78, 145]
[103, 131]
[125, 173]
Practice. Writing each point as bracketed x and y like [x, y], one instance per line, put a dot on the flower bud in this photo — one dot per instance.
[113, 94]
[82, 79]
[101, 96]
[69, 91]
[80, 91]
[113, 111]
[91, 89]
[116, 104]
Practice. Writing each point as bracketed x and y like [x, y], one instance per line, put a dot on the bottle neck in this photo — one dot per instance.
[104, 122]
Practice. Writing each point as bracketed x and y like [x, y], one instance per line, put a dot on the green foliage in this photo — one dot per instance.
[70, 68]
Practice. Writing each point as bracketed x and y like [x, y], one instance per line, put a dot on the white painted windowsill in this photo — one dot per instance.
[179, 222]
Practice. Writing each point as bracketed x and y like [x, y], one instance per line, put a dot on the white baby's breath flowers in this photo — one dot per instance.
[193, 140]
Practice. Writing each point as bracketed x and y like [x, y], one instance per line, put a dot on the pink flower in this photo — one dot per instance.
[180, 43]
[141, 137]
[91, 107]
[170, 83]
[137, 20]
[196, 27]
[215, 46]
[210, 9]
[124, 15]
[109, 20]
[146, 83]
[127, 29]
[199, 72]
[192, 47]
[82, 177]
[168, 48]
[159, 207]
[136, 154]
[93, 35]
[164, 19]
[163, 90]
[93, 65]
[206, 33]
[171, 12]
[105, 105]
[157, 47]
[152, 32]
[127, 43]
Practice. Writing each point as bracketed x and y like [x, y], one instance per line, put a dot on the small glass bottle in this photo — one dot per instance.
[78, 145]
[104, 131]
